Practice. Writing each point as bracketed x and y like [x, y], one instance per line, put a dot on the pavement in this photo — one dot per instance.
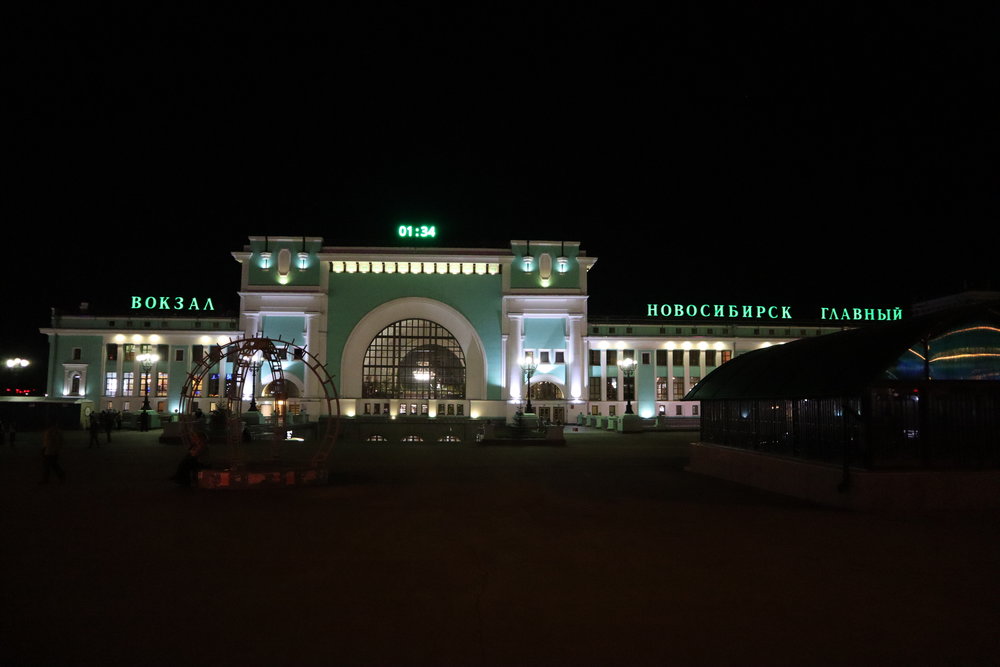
[603, 552]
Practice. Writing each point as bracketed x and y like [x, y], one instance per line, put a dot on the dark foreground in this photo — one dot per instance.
[601, 552]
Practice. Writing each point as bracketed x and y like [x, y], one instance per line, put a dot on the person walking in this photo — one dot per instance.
[95, 430]
[52, 442]
[107, 420]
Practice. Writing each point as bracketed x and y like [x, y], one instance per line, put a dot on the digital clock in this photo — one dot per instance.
[417, 231]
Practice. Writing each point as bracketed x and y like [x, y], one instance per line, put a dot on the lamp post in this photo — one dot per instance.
[14, 365]
[529, 366]
[628, 370]
[255, 364]
[147, 360]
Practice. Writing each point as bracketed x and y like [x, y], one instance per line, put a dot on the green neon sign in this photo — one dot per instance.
[171, 303]
[416, 231]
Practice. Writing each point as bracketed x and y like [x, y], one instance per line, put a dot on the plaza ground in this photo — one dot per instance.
[603, 552]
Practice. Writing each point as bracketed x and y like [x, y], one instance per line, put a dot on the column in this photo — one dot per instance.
[515, 350]
[576, 359]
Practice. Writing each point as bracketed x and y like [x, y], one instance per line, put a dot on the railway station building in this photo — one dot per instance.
[419, 333]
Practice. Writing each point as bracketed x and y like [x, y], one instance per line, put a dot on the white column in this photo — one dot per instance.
[576, 359]
[312, 348]
[251, 324]
[515, 350]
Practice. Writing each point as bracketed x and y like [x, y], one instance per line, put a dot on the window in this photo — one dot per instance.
[595, 357]
[646, 357]
[162, 380]
[110, 384]
[679, 410]
[179, 354]
[77, 354]
[678, 357]
[611, 411]
[661, 357]
[544, 356]
[612, 357]
[560, 356]
[710, 357]
[414, 359]
[726, 355]
[112, 349]
[662, 389]
[198, 352]
[694, 357]
[678, 388]
[128, 384]
[213, 385]
[595, 389]
[612, 389]
[694, 410]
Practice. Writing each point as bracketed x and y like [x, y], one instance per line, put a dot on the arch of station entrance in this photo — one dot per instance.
[421, 308]
[551, 379]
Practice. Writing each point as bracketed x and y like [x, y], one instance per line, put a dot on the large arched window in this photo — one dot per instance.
[414, 359]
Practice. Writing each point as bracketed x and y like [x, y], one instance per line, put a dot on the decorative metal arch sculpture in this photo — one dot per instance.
[247, 356]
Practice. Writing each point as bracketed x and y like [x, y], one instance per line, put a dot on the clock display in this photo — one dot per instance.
[417, 231]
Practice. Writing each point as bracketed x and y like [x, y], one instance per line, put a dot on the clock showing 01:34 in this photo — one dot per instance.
[417, 231]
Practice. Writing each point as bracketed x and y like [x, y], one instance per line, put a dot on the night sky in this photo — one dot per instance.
[822, 153]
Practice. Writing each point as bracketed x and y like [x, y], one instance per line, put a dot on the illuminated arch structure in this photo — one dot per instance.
[237, 470]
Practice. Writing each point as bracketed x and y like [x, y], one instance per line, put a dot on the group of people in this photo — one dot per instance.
[105, 421]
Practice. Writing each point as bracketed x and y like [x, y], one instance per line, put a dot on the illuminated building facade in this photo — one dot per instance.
[117, 363]
[419, 332]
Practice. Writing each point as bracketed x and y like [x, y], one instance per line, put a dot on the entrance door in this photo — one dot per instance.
[559, 415]
[545, 414]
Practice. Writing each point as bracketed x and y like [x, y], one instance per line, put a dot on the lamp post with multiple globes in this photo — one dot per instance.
[147, 360]
[529, 366]
[16, 364]
[628, 370]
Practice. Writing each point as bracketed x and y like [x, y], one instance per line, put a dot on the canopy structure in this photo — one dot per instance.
[958, 344]
[916, 393]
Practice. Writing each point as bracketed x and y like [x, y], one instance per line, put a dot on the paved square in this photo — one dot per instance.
[604, 551]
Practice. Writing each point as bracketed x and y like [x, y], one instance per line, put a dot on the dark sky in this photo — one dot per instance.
[822, 153]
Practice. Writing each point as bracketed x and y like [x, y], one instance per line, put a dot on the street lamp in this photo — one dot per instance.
[254, 367]
[147, 360]
[529, 366]
[14, 365]
[628, 370]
